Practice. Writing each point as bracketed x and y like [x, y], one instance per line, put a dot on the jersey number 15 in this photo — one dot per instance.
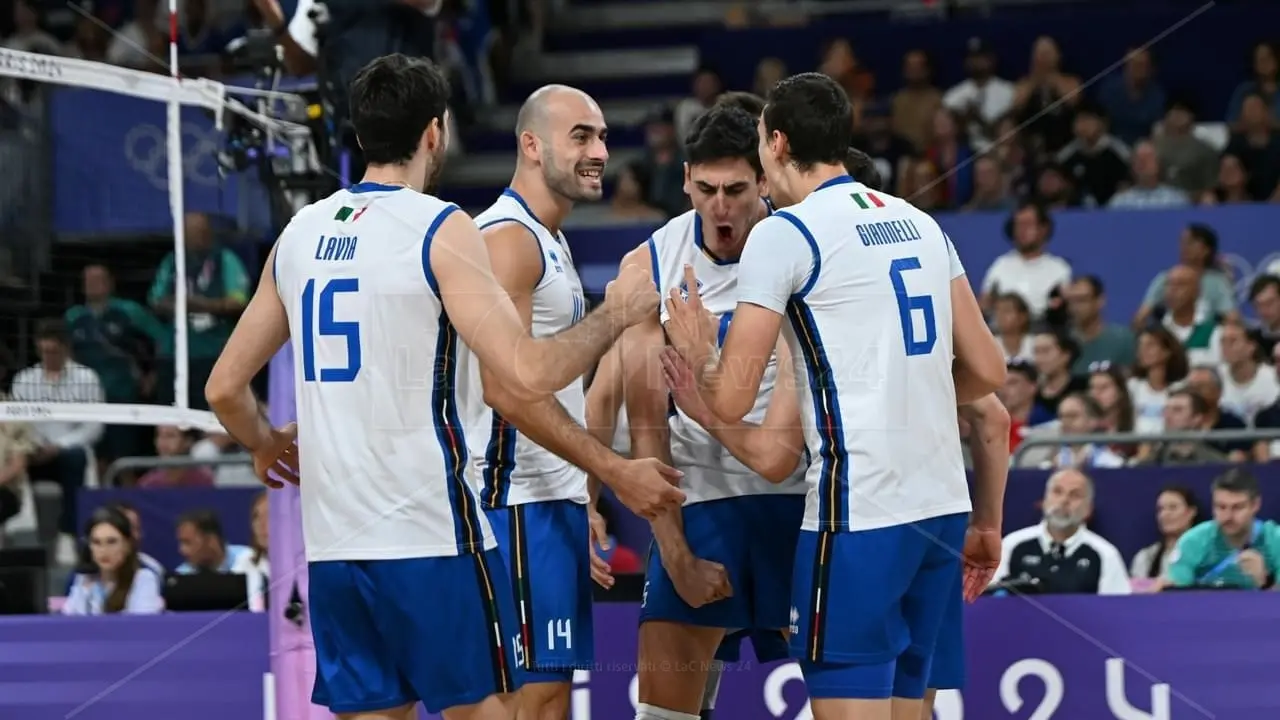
[329, 327]
[909, 303]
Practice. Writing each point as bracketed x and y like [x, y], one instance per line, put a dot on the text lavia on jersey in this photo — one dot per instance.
[338, 248]
[890, 232]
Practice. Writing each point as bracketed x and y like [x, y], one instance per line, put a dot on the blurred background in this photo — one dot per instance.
[1108, 171]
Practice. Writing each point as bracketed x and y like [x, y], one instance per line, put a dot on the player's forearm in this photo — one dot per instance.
[989, 445]
[602, 427]
[971, 386]
[767, 452]
[727, 403]
[546, 422]
[240, 416]
[567, 356]
[668, 528]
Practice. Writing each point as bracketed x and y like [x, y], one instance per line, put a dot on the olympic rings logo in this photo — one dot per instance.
[1243, 272]
[146, 152]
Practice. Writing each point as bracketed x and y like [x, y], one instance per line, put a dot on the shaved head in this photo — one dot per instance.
[561, 130]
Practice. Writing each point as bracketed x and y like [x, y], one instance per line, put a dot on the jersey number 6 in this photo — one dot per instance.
[907, 304]
[328, 328]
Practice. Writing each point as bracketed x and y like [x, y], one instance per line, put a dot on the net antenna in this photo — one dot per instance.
[175, 91]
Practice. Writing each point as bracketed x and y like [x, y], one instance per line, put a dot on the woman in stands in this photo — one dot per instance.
[255, 565]
[1013, 327]
[1107, 386]
[1176, 511]
[1162, 362]
[112, 578]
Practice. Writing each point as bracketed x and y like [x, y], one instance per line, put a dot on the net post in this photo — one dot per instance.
[173, 140]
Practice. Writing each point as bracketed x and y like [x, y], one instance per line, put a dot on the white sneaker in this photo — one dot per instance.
[66, 553]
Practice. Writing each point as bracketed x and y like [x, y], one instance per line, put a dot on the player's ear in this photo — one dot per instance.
[688, 183]
[432, 137]
[528, 145]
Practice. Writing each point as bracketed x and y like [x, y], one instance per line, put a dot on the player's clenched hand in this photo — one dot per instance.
[684, 390]
[700, 582]
[601, 573]
[277, 460]
[647, 487]
[981, 558]
[691, 330]
[633, 293]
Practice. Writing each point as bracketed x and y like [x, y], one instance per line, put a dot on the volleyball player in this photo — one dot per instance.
[408, 598]
[878, 310]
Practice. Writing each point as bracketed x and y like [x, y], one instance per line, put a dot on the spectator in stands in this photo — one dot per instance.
[113, 579]
[1249, 384]
[1265, 83]
[1013, 327]
[1184, 411]
[117, 339]
[922, 186]
[1264, 296]
[948, 149]
[63, 451]
[138, 43]
[1197, 248]
[664, 163]
[769, 72]
[1199, 333]
[217, 290]
[1232, 187]
[840, 63]
[1055, 189]
[135, 532]
[990, 191]
[1189, 163]
[1044, 100]
[1233, 550]
[1207, 383]
[1015, 162]
[1099, 340]
[1148, 190]
[1134, 100]
[1107, 388]
[707, 86]
[90, 41]
[628, 201]
[890, 151]
[1019, 397]
[1176, 511]
[1080, 414]
[1161, 364]
[255, 565]
[27, 35]
[1061, 555]
[1257, 143]
[174, 442]
[1097, 160]
[216, 445]
[916, 102]
[17, 442]
[203, 546]
[982, 98]
[1054, 352]
[1028, 269]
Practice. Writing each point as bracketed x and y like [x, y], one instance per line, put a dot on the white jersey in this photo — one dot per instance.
[710, 471]
[379, 392]
[864, 282]
[512, 469]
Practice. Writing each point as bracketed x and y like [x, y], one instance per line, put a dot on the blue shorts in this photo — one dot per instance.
[440, 630]
[754, 537]
[546, 549]
[870, 605]
[947, 671]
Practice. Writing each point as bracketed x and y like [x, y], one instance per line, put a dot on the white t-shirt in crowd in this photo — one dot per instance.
[1247, 398]
[1026, 348]
[1148, 406]
[1200, 356]
[992, 98]
[1032, 278]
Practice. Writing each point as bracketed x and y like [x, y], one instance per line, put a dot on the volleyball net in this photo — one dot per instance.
[157, 202]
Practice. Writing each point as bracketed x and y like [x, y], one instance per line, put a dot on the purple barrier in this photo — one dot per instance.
[158, 510]
[1124, 511]
[1185, 655]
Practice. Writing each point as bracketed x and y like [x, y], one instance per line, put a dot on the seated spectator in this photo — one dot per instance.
[203, 546]
[1257, 144]
[890, 151]
[215, 445]
[174, 442]
[255, 565]
[1079, 414]
[1197, 248]
[948, 149]
[707, 86]
[770, 71]
[664, 164]
[1161, 364]
[628, 201]
[1264, 83]
[1028, 269]
[1096, 160]
[16, 499]
[1055, 189]
[1044, 100]
[1019, 397]
[1148, 190]
[1184, 411]
[112, 579]
[27, 35]
[1107, 388]
[1176, 511]
[840, 63]
[1233, 550]
[63, 448]
[1061, 555]
[916, 102]
[1013, 327]
[1098, 340]
[1015, 161]
[990, 191]
[982, 98]
[1264, 296]
[1189, 163]
[1207, 383]
[1134, 99]
[921, 187]
[1232, 187]
[138, 43]
[1248, 382]
[135, 532]
[1053, 353]
[1200, 334]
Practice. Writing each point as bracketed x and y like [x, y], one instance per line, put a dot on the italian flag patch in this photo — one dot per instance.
[349, 214]
[867, 200]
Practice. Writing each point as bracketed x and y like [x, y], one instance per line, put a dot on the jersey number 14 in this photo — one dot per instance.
[328, 327]
[907, 304]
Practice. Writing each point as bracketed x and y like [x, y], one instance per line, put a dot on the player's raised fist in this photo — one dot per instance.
[648, 487]
[633, 293]
[700, 582]
[276, 462]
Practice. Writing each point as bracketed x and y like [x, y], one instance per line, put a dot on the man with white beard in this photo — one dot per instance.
[1060, 555]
